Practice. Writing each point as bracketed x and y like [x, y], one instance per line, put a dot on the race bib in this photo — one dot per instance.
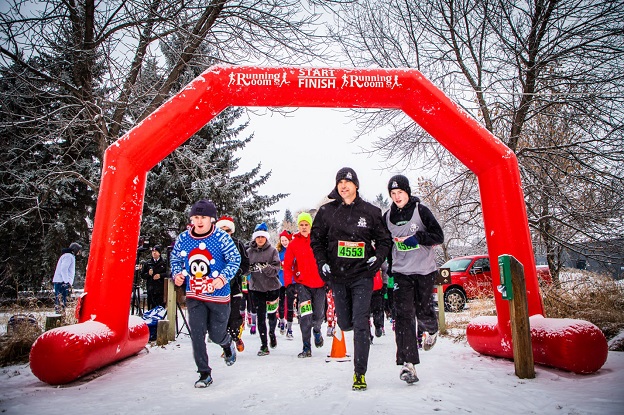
[305, 308]
[272, 306]
[348, 249]
[402, 247]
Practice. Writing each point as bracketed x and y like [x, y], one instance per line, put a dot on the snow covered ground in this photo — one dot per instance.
[453, 379]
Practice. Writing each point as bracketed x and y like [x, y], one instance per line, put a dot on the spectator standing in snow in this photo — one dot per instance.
[264, 284]
[350, 242]
[204, 259]
[64, 275]
[415, 232]
[300, 264]
[235, 322]
[154, 272]
[282, 244]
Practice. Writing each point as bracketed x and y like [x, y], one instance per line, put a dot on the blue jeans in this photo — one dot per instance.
[61, 291]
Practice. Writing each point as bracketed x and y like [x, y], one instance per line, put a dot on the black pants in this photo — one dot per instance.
[155, 298]
[291, 298]
[413, 300]
[377, 308]
[389, 303]
[260, 300]
[282, 302]
[236, 319]
[352, 301]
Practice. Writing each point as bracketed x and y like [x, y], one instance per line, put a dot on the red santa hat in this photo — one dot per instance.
[201, 254]
[227, 222]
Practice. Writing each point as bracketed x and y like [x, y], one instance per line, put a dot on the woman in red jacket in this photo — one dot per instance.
[300, 264]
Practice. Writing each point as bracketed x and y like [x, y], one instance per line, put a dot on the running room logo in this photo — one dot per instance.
[258, 79]
[370, 81]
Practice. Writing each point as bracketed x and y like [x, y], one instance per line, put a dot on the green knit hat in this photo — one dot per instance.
[304, 216]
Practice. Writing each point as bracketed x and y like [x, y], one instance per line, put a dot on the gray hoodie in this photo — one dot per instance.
[264, 264]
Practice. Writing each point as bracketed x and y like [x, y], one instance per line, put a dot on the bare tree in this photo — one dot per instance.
[545, 76]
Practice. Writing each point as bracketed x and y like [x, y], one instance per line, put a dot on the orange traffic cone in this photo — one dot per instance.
[339, 348]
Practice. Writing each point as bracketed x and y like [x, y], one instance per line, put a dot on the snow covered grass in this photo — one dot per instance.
[588, 296]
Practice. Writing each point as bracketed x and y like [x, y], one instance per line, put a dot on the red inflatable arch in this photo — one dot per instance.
[105, 334]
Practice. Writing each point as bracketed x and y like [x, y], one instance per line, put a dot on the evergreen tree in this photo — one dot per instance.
[202, 168]
[47, 193]
[288, 219]
[381, 202]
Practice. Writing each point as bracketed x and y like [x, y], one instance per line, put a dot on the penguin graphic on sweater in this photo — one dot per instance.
[199, 261]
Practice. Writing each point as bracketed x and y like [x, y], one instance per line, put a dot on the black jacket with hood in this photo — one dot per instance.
[359, 221]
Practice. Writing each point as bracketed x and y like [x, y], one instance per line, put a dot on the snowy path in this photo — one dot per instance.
[453, 379]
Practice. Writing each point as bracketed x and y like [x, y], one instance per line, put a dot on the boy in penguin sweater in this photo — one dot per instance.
[204, 259]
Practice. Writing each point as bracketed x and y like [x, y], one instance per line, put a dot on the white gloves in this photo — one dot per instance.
[326, 270]
[371, 261]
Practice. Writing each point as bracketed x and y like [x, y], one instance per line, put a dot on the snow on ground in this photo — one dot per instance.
[454, 379]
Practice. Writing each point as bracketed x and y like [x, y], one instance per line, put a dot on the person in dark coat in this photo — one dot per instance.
[154, 272]
[350, 242]
[415, 232]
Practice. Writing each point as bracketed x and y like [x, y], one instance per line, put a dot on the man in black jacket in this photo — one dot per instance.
[154, 272]
[350, 242]
[415, 232]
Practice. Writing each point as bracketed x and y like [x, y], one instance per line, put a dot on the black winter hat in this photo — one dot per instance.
[399, 182]
[157, 248]
[204, 208]
[347, 173]
[75, 247]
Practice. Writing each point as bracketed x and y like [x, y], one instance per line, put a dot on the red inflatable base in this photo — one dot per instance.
[574, 345]
[66, 353]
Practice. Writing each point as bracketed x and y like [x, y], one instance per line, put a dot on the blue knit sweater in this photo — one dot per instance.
[201, 260]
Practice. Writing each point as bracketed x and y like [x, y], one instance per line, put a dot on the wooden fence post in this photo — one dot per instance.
[52, 321]
[520, 326]
[171, 309]
[162, 332]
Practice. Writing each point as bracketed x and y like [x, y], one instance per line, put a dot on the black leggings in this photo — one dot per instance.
[260, 300]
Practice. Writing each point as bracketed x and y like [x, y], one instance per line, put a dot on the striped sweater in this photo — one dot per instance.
[201, 260]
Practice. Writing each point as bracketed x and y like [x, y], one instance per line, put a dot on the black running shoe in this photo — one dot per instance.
[204, 380]
[263, 351]
[318, 339]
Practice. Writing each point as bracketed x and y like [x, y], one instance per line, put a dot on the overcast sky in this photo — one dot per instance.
[304, 150]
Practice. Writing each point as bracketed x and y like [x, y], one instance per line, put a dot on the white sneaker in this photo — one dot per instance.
[429, 340]
[408, 373]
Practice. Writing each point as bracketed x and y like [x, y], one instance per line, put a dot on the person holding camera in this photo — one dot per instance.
[154, 272]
